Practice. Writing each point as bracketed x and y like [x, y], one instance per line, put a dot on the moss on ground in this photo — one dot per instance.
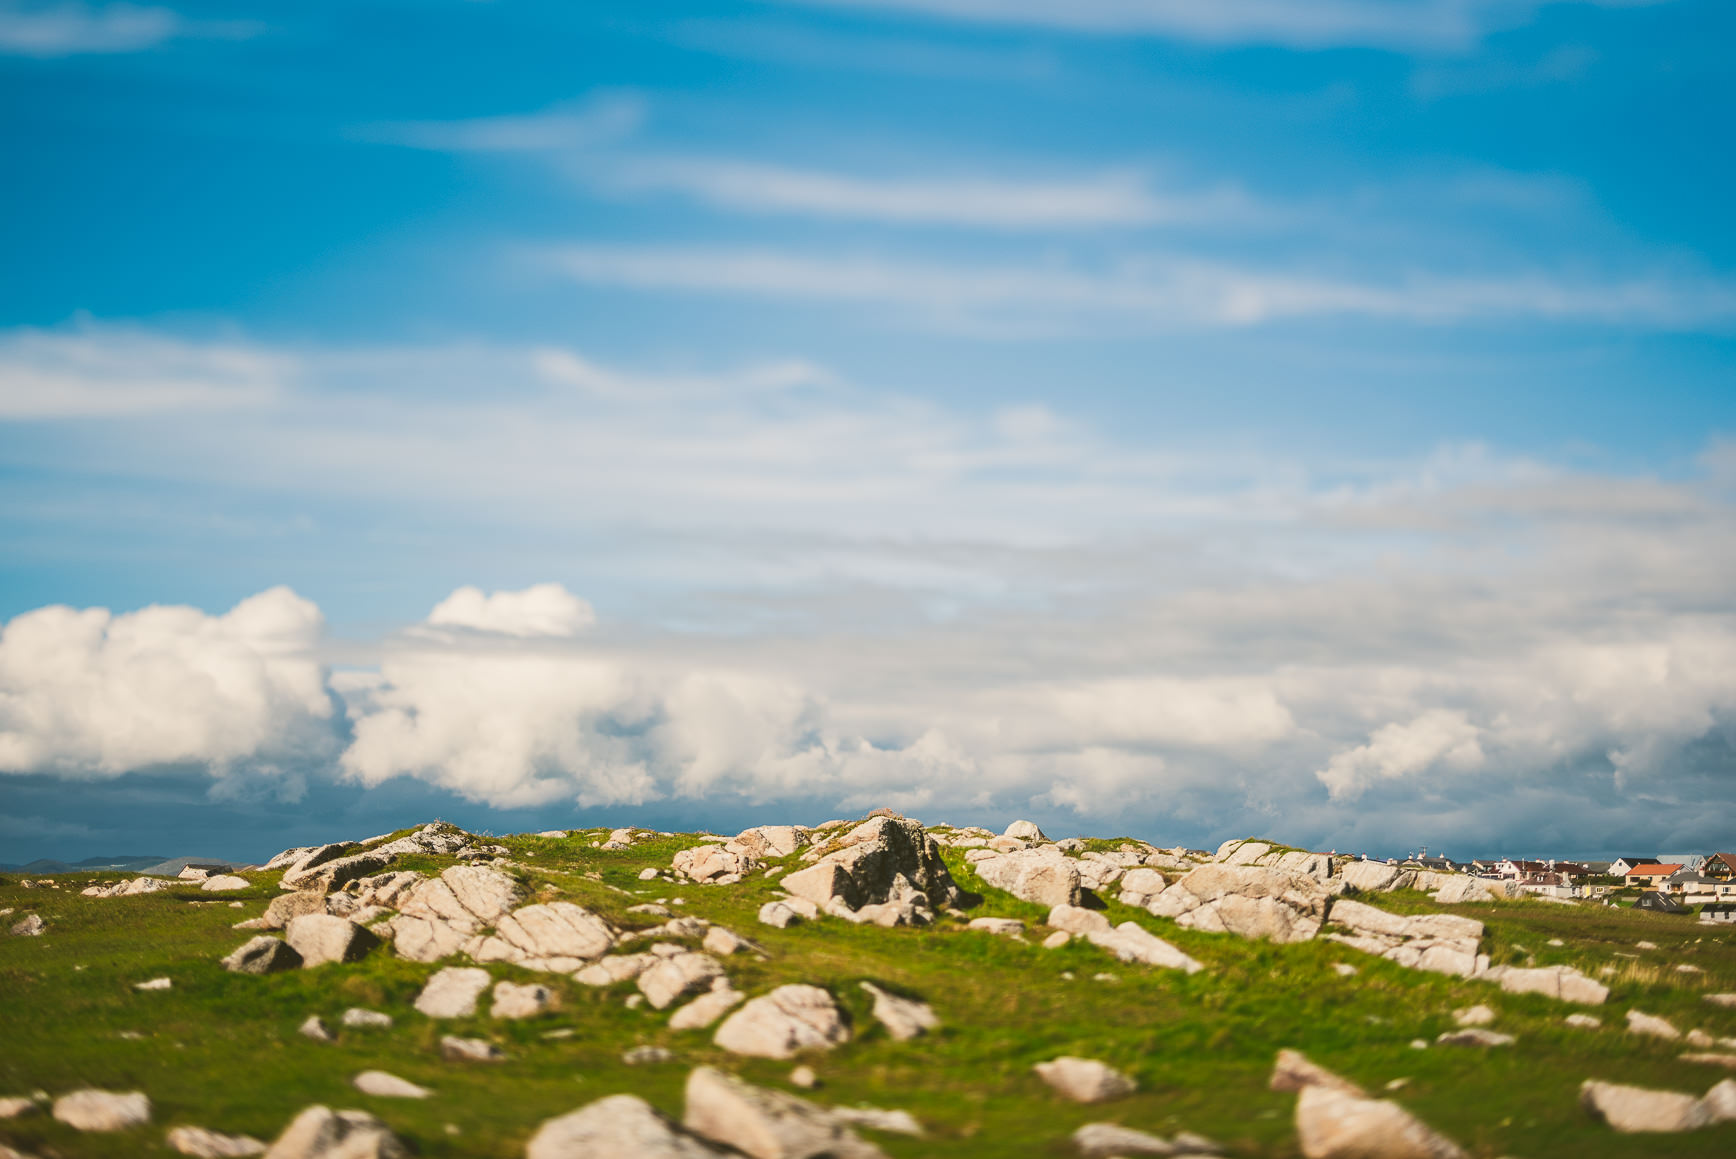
[221, 1050]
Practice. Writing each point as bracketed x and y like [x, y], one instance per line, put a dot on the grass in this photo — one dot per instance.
[221, 1050]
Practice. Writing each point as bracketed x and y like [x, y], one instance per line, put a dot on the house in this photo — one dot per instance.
[1686, 860]
[1698, 889]
[1660, 903]
[1721, 914]
[1649, 875]
[1620, 866]
[1720, 865]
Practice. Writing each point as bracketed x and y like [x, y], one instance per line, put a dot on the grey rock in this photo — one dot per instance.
[1131, 942]
[213, 1144]
[455, 1049]
[714, 864]
[725, 942]
[94, 1110]
[780, 1024]
[876, 1119]
[321, 1133]
[322, 938]
[1651, 1025]
[452, 992]
[1006, 927]
[1085, 1080]
[903, 1018]
[615, 968]
[616, 1127]
[225, 883]
[1331, 1124]
[262, 955]
[648, 1056]
[1475, 1036]
[767, 1124]
[872, 857]
[286, 907]
[1478, 1015]
[29, 926]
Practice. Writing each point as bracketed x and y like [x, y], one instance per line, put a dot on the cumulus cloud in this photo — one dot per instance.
[1436, 738]
[92, 694]
[541, 610]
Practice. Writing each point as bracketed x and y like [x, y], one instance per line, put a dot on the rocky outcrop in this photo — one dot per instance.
[619, 1125]
[783, 1023]
[677, 975]
[1250, 900]
[713, 865]
[766, 842]
[1561, 982]
[131, 888]
[322, 938]
[439, 916]
[1331, 1124]
[452, 993]
[1085, 1080]
[1131, 942]
[885, 861]
[1441, 943]
[558, 937]
[322, 1133]
[94, 1110]
[767, 1124]
[262, 955]
[1044, 876]
[1374, 876]
[512, 1000]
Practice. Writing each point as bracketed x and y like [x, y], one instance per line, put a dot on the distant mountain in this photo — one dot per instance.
[128, 862]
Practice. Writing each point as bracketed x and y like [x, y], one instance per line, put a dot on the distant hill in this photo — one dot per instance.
[129, 862]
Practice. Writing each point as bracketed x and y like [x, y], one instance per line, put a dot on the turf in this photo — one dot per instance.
[221, 1050]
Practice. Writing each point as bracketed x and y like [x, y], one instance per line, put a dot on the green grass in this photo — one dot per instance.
[221, 1051]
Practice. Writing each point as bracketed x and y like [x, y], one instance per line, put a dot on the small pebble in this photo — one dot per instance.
[804, 1077]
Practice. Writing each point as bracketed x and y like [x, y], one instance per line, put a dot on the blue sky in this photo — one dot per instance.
[1217, 417]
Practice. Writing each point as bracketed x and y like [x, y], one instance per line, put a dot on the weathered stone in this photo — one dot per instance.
[725, 942]
[900, 1122]
[1561, 982]
[512, 1000]
[1056, 940]
[767, 1124]
[1085, 1080]
[903, 1018]
[321, 1133]
[784, 1022]
[1719, 1103]
[1367, 919]
[205, 1144]
[616, 1127]
[616, 968]
[1078, 920]
[224, 883]
[29, 926]
[648, 1055]
[286, 907]
[1294, 1070]
[155, 984]
[866, 869]
[262, 955]
[1109, 1140]
[1725, 1000]
[1583, 1021]
[1651, 1025]
[1043, 877]
[452, 992]
[335, 874]
[1371, 876]
[315, 1028]
[1331, 1124]
[1006, 927]
[322, 938]
[303, 867]
[1704, 1058]
[357, 1018]
[556, 930]
[94, 1110]
[455, 1049]
[14, 1107]
[1478, 1015]
[1245, 853]
[1131, 942]
[678, 975]
[770, 841]
[439, 916]
[1634, 1109]
[705, 1009]
[712, 863]
[1475, 1036]
[388, 1086]
[1025, 831]
[131, 888]
[1462, 888]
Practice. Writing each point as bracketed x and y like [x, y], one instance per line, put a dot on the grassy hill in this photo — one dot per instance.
[220, 1050]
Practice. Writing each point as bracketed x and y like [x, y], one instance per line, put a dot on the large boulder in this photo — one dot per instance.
[1331, 1124]
[1025, 831]
[452, 993]
[1043, 876]
[322, 938]
[1374, 876]
[439, 916]
[767, 1124]
[1250, 900]
[1635, 1109]
[262, 955]
[783, 1023]
[286, 907]
[558, 937]
[94, 1110]
[616, 1127]
[764, 842]
[322, 1133]
[865, 865]
[678, 975]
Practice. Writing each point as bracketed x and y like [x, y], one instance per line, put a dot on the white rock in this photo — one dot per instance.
[616, 1127]
[1085, 1080]
[903, 1018]
[29, 926]
[1006, 927]
[1634, 1109]
[322, 938]
[784, 1022]
[1475, 1036]
[724, 942]
[262, 955]
[766, 1124]
[154, 984]
[1331, 1124]
[225, 883]
[212, 1144]
[615, 968]
[874, 1118]
[1371, 876]
[512, 1000]
[1025, 831]
[1295, 1071]
[1131, 942]
[556, 930]
[1045, 876]
[452, 992]
[94, 1110]
[678, 975]
[778, 914]
[1478, 1015]
[705, 1009]
[315, 1028]
[1078, 920]
[355, 1016]
[388, 1086]
[647, 1055]
[1649, 1024]
[1057, 939]
[455, 1049]
[321, 1133]
[1108, 1140]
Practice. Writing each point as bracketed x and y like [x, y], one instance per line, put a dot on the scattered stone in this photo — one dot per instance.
[322, 938]
[619, 1125]
[1057, 939]
[1111, 1140]
[615, 968]
[1475, 1036]
[903, 1018]
[804, 1077]
[388, 1086]
[1704, 1058]
[1645, 945]
[154, 984]
[648, 1056]
[17, 1108]
[1728, 1000]
[1652, 1025]
[877, 1119]
[29, 926]
[1085, 1080]
[225, 883]
[1478, 1015]
[767, 1124]
[1698, 1037]
[455, 1049]
[94, 1110]
[512, 1000]
[315, 1028]
[725, 942]
[1331, 1124]
[1295, 1071]
[779, 914]
[1344, 969]
[129, 888]
[1131, 942]
[784, 1022]
[1006, 927]
[1078, 920]
[213, 1144]
[705, 1009]
[355, 1016]
[651, 908]
[321, 1133]
[262, 955]
[1563, 982]
[452, 992]
[649, 873]
[1633, 1109]
[678, 975]
[1583, 1021]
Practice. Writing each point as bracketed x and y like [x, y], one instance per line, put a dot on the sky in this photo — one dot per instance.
[1183, 419]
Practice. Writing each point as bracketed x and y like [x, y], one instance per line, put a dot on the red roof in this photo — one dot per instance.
[1652, 869]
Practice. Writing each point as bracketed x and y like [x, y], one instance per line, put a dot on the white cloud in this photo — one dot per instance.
[583, 125]
[1437, 737]
[96, 371]
[68, 29]
[540, 610]
[1309, 24]
[92, 694]
[1153, 293]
